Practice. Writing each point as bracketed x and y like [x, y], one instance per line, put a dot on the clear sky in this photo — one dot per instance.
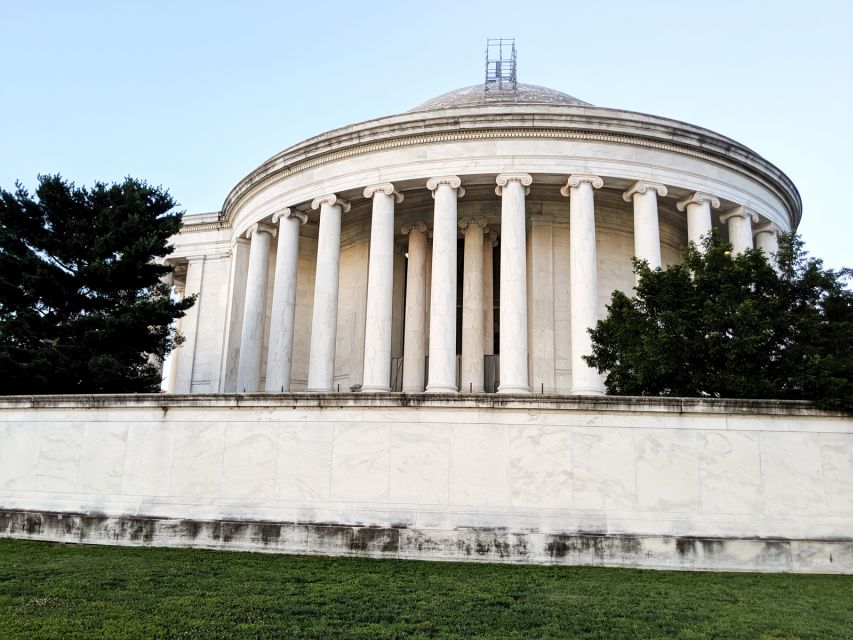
[194, 95]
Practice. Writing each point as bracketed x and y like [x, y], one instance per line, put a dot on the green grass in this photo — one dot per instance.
[69, 591]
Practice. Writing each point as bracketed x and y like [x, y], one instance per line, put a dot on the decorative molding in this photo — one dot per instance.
[454, 182]
[641, 186]
[767, 227]
[260, 227]
[288, 213]
[698, 198]
[387, 188]
[505, 178]
[414, 226]
[578, 179]
[739, 212]
[493, 236]
[464, 223]
[331, 200]
[246, 186]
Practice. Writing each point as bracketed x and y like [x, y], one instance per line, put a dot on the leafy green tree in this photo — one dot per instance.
[82, 305]
[732, 326]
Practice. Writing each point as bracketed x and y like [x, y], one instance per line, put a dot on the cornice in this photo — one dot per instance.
[573, 123]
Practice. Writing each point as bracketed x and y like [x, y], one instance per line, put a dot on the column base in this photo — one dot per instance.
[586, 391]
[435, 388]
[375, 389]
[509, 388]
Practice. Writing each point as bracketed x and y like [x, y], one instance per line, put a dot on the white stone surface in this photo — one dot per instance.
[739, 222]
[698, 207]
[252, 339]
[414, 341]
[644, 196]
[471, 375]
[513, 312]
[283, 305]
[321, 368]
[442, 310]
[584, 280]
[522, 467]
[380, 288]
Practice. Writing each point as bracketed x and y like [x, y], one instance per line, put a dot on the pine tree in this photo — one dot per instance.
[82, 305]
[726, 326]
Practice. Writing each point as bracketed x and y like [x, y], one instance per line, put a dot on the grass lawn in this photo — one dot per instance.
[69, 591]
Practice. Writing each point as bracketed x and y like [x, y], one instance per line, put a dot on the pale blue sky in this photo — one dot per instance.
[194, 95]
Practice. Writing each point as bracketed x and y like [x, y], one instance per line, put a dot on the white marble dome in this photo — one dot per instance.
[476, 95]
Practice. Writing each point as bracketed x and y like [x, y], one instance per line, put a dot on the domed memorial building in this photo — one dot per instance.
[464, 245]
[385, 359]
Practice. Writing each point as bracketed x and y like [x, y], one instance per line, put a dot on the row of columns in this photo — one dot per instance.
[477, 315]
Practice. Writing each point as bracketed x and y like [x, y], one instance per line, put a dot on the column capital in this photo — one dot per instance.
[698, 198]
[287, 213]
[331, 200]
[767, 227]
[492, 236]
[641, 186]
[505, 178]
[739, 212]
[260, 227]
[578, 179]
[454, 182]
[385, 187]
[464, 223]
[414, 226]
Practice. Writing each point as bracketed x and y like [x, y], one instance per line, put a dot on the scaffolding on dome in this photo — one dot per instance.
[501, 79]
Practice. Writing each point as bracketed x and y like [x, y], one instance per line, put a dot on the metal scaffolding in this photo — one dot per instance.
[501, 80]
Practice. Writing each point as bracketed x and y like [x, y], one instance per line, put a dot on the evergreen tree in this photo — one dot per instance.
[82, 305]
[727, 326]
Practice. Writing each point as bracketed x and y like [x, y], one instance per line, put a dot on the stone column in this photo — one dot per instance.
[512, 187]
[283, 316]
[490, 241]
[254, 309]
[414, 336]
[739, 221]
[324, 321]
[766, 238]
[471, 370]
[644, 195]
[583, 281]
[442, 310]
[698, 206]
[380, 288]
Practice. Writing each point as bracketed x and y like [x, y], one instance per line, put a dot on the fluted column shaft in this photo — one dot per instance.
[767, 239]
[471, 375]
[698, 206]
[512, 187]
[442, 313]
[739, 222]
[414, 336]
[644, 195]
[254, 310]
[489, 241]
[283, 316]
[583, 281]
[324, 321]
[380, 289]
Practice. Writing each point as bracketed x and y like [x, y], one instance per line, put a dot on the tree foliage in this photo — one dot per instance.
[82, 305]
[732, 326]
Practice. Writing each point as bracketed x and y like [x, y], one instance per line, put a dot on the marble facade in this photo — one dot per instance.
[385, 215]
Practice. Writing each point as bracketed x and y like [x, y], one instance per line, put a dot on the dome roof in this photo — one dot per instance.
[475, 95]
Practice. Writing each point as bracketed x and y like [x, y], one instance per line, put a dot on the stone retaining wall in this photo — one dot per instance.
[665, 483]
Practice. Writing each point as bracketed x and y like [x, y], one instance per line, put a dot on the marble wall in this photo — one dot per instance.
[449, 465]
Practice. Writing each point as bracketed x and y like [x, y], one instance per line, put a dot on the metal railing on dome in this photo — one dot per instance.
[501, 76]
